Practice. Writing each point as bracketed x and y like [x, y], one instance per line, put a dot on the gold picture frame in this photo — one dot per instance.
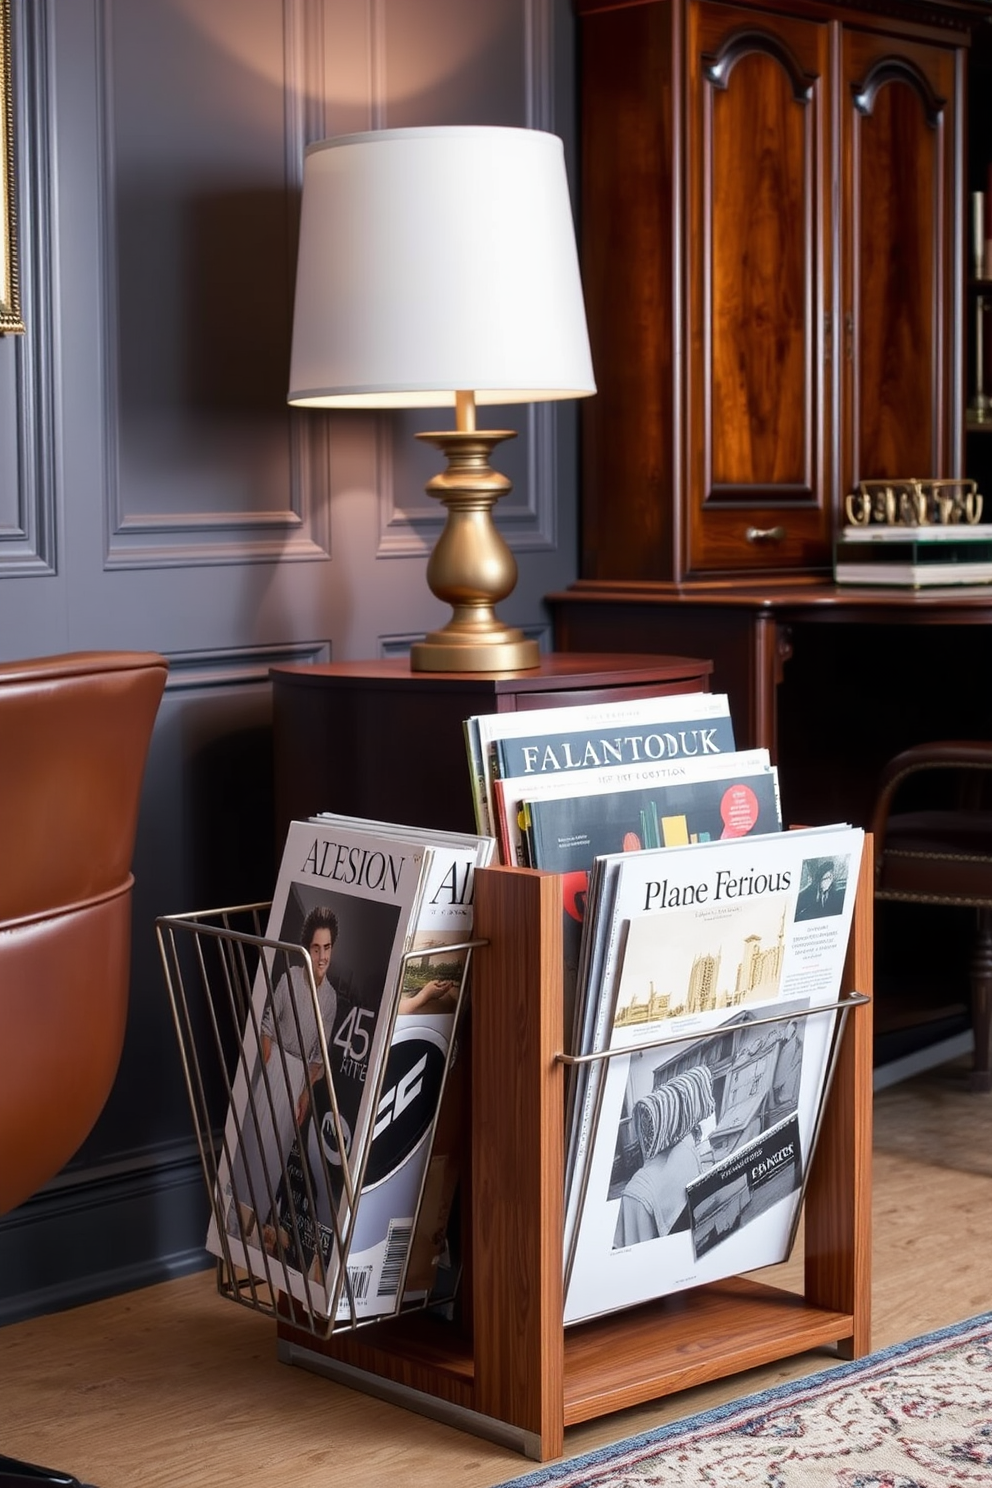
[10, 293]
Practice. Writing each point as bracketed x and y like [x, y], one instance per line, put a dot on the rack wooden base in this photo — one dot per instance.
[514, 1374]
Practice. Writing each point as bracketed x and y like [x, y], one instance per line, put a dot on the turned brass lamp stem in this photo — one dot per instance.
[471, 567]
[465, 411]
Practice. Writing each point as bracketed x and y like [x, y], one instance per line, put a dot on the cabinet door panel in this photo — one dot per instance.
[759, 331]
[759, 256]
[900, 327]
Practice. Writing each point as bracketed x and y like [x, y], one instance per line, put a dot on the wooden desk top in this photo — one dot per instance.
[801, 600]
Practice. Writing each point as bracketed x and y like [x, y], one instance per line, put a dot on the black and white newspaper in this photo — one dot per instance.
[694, 1139]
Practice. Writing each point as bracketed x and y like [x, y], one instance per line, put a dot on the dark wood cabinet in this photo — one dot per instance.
[771, 230]
[978, 309]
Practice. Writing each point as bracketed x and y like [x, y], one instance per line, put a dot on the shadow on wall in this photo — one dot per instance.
[232, 810]
[227, 857]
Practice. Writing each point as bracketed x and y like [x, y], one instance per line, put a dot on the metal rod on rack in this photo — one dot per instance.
[852, 999]
[841, 1007]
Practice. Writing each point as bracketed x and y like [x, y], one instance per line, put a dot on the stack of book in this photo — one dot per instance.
[914, 557]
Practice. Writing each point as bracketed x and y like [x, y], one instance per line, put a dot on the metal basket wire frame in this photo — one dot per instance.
[219, 973]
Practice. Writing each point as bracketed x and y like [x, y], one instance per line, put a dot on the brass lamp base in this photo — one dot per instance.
[443, 651]
[471, 567]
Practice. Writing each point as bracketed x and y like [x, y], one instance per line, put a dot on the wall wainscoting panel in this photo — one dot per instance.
[205, 463]
[29, 432]
[409, 520]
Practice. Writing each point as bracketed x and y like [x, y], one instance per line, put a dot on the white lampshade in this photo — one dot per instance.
[437, 260]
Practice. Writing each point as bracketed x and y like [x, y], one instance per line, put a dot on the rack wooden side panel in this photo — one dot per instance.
[838, 1196]
[517, 1153]
[520, 1377]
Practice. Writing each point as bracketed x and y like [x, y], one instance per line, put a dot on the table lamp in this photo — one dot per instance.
[437, 268]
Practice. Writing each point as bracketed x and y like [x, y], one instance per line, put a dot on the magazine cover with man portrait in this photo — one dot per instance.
[348, 900]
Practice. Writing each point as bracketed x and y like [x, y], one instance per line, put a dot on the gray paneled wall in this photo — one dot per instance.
[156, 492]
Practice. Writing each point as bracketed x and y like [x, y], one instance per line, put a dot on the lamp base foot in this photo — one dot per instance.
[442, 651]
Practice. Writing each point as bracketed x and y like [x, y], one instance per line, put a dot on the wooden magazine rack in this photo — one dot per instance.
[510, 1371]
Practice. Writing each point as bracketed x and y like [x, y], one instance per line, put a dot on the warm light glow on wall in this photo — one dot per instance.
[414, 71]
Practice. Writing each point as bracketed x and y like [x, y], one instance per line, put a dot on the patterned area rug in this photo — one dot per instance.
[918, 1415]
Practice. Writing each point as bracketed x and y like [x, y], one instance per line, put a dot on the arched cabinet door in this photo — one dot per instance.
[772, 207]
[901, 280]
[759, 265]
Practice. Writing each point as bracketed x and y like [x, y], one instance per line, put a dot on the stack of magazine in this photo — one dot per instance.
[712, 974]
[512, 756]
[561, 786]
[704, 950]
[331, 1183]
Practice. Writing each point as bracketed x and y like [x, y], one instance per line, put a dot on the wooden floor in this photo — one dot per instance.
[173, 1387]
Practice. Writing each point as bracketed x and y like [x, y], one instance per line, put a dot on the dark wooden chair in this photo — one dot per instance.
[939, 852]
[74, 735]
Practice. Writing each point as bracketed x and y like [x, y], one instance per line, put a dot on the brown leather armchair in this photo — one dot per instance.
[942, 854]
[74, 735]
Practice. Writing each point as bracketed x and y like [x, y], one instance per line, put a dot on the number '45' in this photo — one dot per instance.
[355, 1034]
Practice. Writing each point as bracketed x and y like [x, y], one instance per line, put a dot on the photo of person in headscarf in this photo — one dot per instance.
[668, 1124]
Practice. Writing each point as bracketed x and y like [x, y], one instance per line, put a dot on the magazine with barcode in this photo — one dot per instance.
[700, 1127]
[401, 1154]
[578, 737]
[348, 898]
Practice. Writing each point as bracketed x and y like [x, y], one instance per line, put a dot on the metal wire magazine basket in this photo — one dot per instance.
[283, 1213]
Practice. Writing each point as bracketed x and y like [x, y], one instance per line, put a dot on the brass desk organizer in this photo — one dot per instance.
[914, 534]
[914, 503]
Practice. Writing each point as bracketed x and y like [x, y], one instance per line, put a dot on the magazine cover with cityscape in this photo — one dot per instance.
[731, 795]
[349, 899]
[697, 1146]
